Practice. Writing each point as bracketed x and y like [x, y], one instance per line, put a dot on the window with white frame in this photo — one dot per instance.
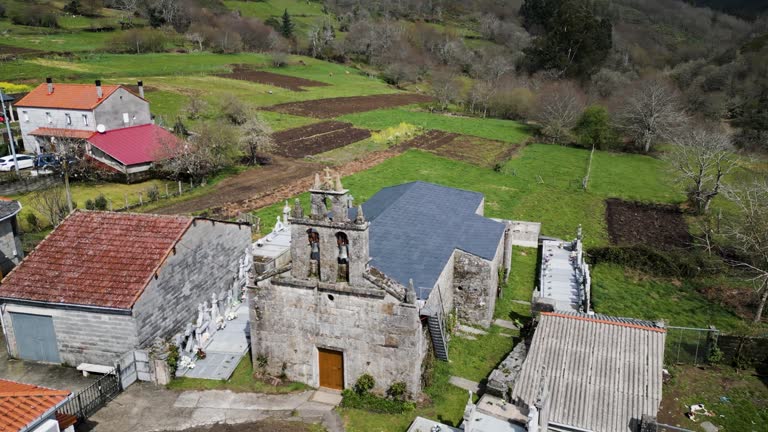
[69, 119]
[48, 117]
[26, 116]
[126, 118]
[85, 119]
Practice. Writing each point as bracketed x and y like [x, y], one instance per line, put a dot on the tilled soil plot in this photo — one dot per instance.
[12, 50]
[430, 140]
[334, 107]
[653, 225]
[317, 138]
[246, 73]
[289, 135]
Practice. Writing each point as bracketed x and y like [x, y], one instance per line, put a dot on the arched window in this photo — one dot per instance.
[342, 241]
[314, 252]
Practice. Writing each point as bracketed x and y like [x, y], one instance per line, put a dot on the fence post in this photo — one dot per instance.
[179, 187]
[191, 184]
[125, 196]
[110, 205]
[141, 200]
[166, 191]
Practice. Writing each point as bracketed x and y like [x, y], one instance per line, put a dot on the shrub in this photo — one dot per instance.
[89, 204]
[364, 384]
[153, 193]
[173, 360]
[100, 203]
[279, 59]
[594, 128]
[2, 10]
[373, 403]
[715, 355]
[138, 41]
[33, 222]
[35, 16]
[398, 390]
[673, 262]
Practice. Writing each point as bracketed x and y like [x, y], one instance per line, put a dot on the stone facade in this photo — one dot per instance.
[475, 285]
[11, 252]
[377, 334]
[377, 323]
[205, 261]
[82, 336]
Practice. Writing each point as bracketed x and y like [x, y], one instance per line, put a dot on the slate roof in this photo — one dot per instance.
[415, 227]
[22, 404]
[67, 96]
[600, 372]
[100, 259]
[136, 144]
[8, 208]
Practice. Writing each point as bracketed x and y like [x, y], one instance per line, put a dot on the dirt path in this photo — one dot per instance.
[246, 185]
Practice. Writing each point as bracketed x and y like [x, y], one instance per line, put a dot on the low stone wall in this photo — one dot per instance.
[29, 184]
[503, 378]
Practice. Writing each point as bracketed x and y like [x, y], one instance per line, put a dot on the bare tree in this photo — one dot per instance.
[196, 108]
[701, 158]
[479, 97]
[652, 113]
[747, 232]
[558, 109]
[195, 37]
[51, 203]
[256, 139]
[446, 88]
[212, 148]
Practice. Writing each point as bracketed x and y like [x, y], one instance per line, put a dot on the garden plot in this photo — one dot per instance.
[474, 150]
[334, 107]
[246, 73]
[317, 138]
[654, 225]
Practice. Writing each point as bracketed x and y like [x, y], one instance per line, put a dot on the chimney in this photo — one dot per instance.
[99, 93]
[49, 80]
[141, 89]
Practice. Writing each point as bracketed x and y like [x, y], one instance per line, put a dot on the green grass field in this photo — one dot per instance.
[494, 129]
[241, 381]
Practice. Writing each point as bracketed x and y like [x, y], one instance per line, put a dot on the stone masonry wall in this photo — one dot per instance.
[83, 337]
[475, 286]
[329, 250]
[10, 245]
[205, 262]
[377, 334]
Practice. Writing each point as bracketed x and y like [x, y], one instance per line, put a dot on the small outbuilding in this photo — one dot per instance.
[104, 283]
[31, 408]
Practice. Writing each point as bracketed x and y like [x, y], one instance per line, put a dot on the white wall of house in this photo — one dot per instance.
[33, 118]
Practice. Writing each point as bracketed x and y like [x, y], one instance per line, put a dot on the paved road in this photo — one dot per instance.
[52, 376]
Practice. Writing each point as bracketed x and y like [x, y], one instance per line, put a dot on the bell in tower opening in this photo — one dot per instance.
[314, 253]
[343, 260]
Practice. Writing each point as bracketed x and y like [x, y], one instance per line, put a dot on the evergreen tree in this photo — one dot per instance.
[594, 128]
[574, 40]
[286, 29]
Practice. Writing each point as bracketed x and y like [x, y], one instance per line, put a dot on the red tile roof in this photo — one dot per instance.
[21, 404]
[101, 259]
[67, 96]
[61, 132]
[136, 144]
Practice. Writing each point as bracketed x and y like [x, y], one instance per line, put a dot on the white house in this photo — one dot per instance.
[76, 110]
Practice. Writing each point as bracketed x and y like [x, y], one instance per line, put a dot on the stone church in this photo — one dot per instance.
[369, 289]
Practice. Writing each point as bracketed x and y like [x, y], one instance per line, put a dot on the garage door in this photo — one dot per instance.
[35, 337]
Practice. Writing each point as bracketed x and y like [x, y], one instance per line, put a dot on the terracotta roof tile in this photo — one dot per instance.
[21, 404]
[101, 259]
[67, 96]
[61, 132]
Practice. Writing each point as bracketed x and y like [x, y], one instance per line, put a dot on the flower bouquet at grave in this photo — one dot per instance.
[200, 354]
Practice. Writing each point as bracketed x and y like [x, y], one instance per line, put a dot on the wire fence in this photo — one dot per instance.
[689, 345]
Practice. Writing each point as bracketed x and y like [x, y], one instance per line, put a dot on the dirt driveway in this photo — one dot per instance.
[247, 184]
[52, 376]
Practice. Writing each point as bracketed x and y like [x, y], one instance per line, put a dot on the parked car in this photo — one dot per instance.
[24, 161]
[47, 161]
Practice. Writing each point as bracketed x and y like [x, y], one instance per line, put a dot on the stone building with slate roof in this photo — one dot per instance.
[102, 284]
[369, 288]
